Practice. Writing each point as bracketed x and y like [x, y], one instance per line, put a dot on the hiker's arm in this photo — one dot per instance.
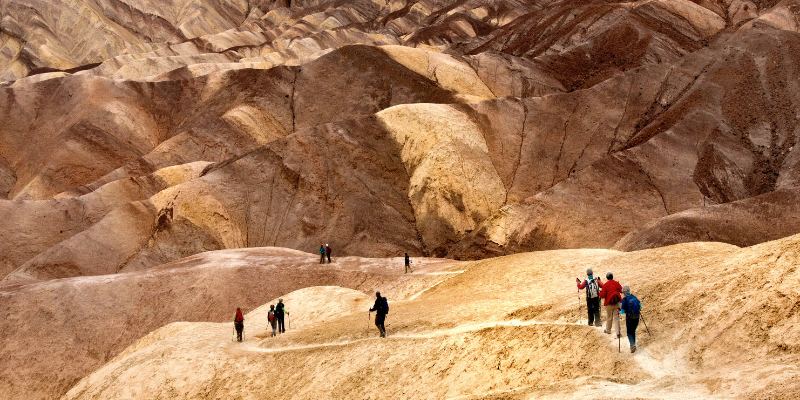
[581, 285]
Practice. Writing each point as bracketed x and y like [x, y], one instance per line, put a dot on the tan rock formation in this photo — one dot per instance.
[481, 333]
[137, 133]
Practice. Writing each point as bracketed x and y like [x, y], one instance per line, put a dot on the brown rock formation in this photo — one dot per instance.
[136, 133]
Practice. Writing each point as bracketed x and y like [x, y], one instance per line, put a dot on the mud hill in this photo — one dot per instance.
[166, 161]
[723, 323]
[455, 129]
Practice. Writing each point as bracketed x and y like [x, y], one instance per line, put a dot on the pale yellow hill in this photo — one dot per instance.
[723, 324]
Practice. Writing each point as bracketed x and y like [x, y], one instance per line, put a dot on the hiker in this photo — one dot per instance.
[328, 252]
[271, 318]
[279, 313]
[611, 292]
[238, 323]
[408, 264]
[592, 286]
[381, 308]
[322, 254]
[630, 307]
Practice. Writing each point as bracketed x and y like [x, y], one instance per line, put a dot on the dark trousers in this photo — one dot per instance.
[322, 258]
[329, 258]
[239, 330]
[379, 321]
[593, 308]
[281, 328]
[631, 323]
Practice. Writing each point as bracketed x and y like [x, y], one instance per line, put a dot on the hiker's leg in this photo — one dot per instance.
[597, 320]
[631, 325]
[596, 308]
[617, 321]
[609, 318]
[590, 310]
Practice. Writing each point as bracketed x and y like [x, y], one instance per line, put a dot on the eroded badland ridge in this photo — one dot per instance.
[165, 161]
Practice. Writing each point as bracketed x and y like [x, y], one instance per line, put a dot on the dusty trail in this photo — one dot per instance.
[671, 365]
[465, 328]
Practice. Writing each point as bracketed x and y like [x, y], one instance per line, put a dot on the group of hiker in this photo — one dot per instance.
[324, 252]
[276, 317]
[276, 314]
[617, 299]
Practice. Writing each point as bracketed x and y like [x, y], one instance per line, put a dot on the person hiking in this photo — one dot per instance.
[381, 308]
[631, 308]
[408, 264]
[322, 254]
[611, 292]
[280, 309]
[238, 323]
[328, 252]
[592, 286]
[273, 322]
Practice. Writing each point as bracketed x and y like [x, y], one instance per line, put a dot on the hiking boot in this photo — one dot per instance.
[633, 349]
[607, 332]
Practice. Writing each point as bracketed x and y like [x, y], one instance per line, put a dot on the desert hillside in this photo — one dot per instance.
[165, 161]
[723, 323]
[146, 131]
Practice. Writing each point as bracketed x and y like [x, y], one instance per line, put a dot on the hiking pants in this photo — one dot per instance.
[239, 329]
[379, 321]
[281, 327]
[329, 258]
[612, 315]
[274, 325]
[631, 323]
[322, 258]
[593, 307]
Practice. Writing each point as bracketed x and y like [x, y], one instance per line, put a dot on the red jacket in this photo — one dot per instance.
[239, 316]
[610, 292]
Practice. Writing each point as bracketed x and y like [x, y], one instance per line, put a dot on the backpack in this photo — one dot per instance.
[271, 316]
[385, 305]
[632, 305]
[592, 290]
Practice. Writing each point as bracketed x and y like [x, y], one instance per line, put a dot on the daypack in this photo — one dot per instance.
[632, 305]
[592, 290]
[271, 316]
[384, 305]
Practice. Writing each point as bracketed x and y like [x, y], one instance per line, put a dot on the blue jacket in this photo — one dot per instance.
[631, 306]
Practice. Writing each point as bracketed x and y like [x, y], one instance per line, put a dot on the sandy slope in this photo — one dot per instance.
[723, 323]
[56, 332]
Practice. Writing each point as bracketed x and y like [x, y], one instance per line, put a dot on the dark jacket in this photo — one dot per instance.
[631, 306]
[381, 306]
[279, 310]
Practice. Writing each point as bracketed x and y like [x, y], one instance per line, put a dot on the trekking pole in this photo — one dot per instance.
[619, 336]
[645, 324]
